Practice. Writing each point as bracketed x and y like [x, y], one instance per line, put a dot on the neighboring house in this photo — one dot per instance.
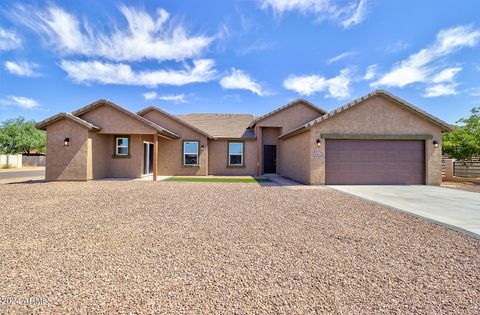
[376, 139]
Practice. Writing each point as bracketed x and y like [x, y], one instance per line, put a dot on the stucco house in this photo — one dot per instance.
[376, 139]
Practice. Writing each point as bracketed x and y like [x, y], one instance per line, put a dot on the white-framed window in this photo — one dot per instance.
[190, 153]
[235, 153]
[121, 146]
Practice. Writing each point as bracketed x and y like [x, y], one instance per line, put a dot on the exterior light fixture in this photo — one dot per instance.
[202, 147]
[318, 142]
[435, 143]
[66, 142]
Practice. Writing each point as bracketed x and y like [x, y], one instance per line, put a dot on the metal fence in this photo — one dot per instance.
[465, 169]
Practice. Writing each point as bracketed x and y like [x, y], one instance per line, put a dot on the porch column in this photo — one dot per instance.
[155, 156]
[258, 133]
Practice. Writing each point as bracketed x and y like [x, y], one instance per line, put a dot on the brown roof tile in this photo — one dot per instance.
[222, 126]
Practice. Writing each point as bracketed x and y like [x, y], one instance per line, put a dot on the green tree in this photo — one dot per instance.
[463, 143]
[18, 135]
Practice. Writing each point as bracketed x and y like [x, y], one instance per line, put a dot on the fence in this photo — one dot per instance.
[463, 169]
[34, 160]
[11, 160]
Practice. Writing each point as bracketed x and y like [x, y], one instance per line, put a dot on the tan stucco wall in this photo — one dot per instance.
[218, 158]
[294, 155]
[105, 165]
[66, 162]
[113, 121]
[378, 115]
[291, 117]
[170, 152]
[101, 154]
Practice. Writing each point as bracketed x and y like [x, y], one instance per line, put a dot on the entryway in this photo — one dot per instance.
[269, 159]
[147, 158]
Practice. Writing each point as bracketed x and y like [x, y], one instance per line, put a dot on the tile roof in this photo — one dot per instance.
[222, 126]
[445, 126]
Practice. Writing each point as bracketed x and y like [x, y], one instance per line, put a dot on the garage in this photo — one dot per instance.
[372, 162]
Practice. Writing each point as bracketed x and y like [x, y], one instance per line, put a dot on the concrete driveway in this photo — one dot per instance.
[456, 209]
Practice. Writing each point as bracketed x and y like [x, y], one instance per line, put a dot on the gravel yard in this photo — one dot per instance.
[175, 247]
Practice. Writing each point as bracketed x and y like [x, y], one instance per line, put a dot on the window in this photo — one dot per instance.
[122, 146]
[190, 153]
[235, 153]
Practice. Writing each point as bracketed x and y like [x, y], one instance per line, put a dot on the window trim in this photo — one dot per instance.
[115, 147]
[242, 155]
[198, 153]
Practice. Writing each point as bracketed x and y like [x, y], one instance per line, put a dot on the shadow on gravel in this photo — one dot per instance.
[27, 182]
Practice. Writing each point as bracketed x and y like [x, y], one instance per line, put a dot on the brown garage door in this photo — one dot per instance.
[368, 162]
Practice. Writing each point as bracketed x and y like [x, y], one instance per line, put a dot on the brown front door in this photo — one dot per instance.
[370, 162]
[269, 158]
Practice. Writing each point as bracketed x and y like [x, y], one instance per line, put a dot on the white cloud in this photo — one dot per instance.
[358, 15]
[418, 67]
[440, 90]
[9, 40]
[346, 15]
[396, 46]
[145, 37]
[371, 72]
[341, 56]
[150, 95]
[23, 69]
[238, 79]
[120, 73]
[178, 98]
[338, 87]
[21, 101]
[446, 75]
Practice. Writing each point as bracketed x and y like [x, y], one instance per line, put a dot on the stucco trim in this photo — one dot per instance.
[280, 109]
[45, 123]
[151, 108]
[375, 136]
[443, 125]
[167, 133]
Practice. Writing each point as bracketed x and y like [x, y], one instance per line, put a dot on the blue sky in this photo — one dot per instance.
[237, 56]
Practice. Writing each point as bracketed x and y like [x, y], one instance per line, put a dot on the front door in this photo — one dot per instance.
[147, 158]
[269, 158]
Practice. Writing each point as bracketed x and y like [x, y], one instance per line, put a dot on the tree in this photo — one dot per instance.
[463, 143]
[18, 135]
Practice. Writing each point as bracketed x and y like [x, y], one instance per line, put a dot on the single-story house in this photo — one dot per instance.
[376, 139]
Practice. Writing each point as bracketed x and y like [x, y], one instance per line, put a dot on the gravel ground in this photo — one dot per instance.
[468, 186]
[168, 248]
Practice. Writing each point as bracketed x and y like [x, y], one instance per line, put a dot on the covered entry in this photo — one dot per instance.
[369, 162]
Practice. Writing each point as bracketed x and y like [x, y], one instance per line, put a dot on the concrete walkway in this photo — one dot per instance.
[455, 209]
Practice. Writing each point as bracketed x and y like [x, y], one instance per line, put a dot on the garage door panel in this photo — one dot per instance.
[375, 162]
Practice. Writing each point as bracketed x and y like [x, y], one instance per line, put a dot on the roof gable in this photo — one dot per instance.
[45, 123]
[287, 106]
[154, 108]
[396, 100]
[99, 103]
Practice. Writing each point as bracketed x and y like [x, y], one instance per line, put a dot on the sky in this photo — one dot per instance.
[239, 56]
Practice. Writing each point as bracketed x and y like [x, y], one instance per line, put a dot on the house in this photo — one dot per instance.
[376, 139]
